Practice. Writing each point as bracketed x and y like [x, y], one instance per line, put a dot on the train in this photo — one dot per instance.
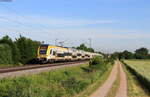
[51, 53]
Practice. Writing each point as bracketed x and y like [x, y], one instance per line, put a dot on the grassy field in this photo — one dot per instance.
[134, 87]
[138, 73]
[141, 66]
[66, 82]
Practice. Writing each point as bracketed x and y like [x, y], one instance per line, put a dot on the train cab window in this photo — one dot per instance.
[51, 51]
[54, 52]
[43, 49]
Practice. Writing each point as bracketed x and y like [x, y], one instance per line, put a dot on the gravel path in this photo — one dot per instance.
[104, 89]
[35, 71]
[122, 91]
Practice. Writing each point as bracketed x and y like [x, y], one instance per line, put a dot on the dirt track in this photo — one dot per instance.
[122, 91]
[105, 88]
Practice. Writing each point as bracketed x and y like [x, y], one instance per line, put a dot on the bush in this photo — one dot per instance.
[27, 48]
[21, 51]
[97, 63]
[109, 60]
[14, 50]
[5, 54]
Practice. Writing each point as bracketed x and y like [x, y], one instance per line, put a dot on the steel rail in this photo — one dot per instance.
[27, 67]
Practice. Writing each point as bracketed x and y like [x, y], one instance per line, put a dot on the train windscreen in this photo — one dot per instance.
[43, 49]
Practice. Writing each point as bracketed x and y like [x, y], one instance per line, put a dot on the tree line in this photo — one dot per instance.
[20, 51]
[141, 53]
[23, 50]
[85, 48]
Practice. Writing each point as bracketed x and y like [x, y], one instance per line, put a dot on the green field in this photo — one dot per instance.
[140, 66]
[134, 87]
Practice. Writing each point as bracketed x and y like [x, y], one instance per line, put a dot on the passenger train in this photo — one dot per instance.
[49, 54]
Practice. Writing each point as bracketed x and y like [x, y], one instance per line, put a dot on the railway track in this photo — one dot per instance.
[36, 66]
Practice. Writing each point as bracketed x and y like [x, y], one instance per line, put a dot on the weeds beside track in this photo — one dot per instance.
[35, 66]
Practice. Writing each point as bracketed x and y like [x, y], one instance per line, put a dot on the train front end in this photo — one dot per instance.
[42, 53]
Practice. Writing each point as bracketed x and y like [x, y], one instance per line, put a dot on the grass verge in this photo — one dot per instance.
[65, 82]
[93, 87]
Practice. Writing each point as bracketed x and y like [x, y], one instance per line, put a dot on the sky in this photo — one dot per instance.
[112, 25]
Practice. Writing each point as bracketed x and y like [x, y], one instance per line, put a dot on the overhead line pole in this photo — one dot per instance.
[90, 42]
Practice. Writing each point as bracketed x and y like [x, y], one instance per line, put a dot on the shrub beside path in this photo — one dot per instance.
[105, 88]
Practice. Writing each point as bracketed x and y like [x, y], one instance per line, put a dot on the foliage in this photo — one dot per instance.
[65, 82]
[85, 48]
[5, 54]
[109, 60]
[98, 63]
[116, 55]
[141, 53]
[23, 50]
[14, 50]
[127, 55]
[27, 48]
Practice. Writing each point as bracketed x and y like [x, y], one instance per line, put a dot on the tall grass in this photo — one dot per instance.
[65, 82]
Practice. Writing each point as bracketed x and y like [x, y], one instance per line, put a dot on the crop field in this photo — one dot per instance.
[140, 66]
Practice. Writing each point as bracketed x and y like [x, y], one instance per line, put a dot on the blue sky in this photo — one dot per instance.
[113, 25]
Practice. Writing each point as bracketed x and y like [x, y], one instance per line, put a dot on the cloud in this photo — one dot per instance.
[38, 20]
[102, 33]
[65, 22]
[48, 29]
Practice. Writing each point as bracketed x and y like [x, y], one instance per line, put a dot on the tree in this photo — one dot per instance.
[82, 47]
[14, 50]
[85, 48]
[5, 54]
[127, 55]
[90, 50]
[141, 53]
[116, 55]
[27, 48]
